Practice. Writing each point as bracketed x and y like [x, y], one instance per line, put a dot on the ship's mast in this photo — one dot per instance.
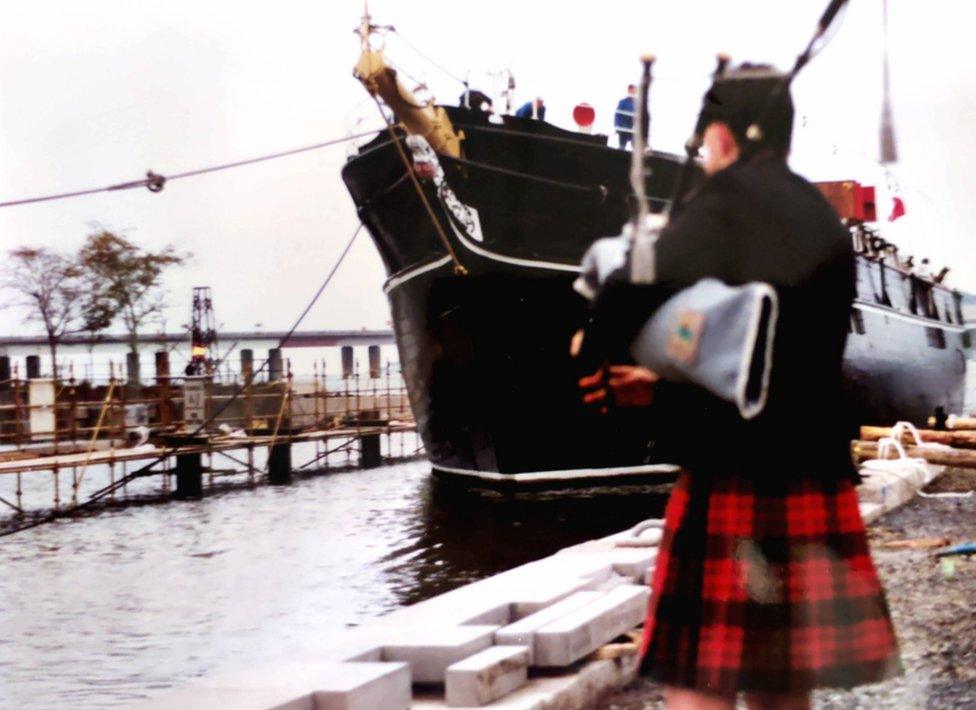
[381, 81]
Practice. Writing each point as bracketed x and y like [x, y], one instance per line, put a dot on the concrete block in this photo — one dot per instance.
[610, 582]
[486, 676]
[364, 686]
[566, 564]
[546, 592]
[430, 650]
[887, 488]
[520, 633]
[628, 555]
[630, 562]
[300, 686]
[634, 562]
[275, 698]
[871, 512]
[581, 632]
[649, 537]
[472, 605]
[584, 687]
[893, 487]
[497, 615]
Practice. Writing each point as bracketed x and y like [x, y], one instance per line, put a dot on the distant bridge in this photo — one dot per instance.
[299, 339]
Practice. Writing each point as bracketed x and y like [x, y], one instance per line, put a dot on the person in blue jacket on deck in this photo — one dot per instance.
[532, 109]
[623, 119]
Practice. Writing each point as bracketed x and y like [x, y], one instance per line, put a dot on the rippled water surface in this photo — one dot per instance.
[110, 608]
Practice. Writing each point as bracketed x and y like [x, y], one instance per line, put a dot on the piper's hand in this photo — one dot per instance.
[632, 386]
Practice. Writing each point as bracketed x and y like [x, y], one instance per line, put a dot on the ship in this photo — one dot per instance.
[481, 221]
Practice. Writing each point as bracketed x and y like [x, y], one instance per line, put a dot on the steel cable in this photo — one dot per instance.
[155, 182]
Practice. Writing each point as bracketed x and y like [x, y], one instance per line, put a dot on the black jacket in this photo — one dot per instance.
[755, 222]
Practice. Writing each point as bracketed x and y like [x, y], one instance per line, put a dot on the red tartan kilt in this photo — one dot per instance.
[770, 588]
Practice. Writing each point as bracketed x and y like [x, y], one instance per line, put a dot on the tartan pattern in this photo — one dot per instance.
[766, 587]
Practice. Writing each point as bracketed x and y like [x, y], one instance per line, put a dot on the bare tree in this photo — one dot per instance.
[51, 286]
[125, 279]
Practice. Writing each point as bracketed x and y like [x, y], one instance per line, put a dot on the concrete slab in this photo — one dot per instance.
[581, 632]
[628, 555]
[549, 591]
[509, 595]
[609, 583]
[892, 487]
[634, 562]
[650, 536]
[486, 676]
[871, 512]
[299, 686]
[275, 698]
[582, 687]
[886, 488]
[365, 686]
[520, 633]
[431, 649]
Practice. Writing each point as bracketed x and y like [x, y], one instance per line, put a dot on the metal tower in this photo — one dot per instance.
[203, 333]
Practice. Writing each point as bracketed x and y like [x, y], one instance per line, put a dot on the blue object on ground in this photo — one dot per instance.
[965, 548]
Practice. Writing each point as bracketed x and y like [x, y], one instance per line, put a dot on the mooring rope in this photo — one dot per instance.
[155, 182]
[459, 268]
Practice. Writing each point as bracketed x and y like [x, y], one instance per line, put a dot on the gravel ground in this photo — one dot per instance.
[932, 604]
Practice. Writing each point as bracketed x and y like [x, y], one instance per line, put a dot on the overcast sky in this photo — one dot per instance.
[98, 92]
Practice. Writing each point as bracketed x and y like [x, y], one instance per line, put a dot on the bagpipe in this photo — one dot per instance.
[710, 334]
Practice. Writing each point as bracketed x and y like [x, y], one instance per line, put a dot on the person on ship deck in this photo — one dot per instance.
[532, 109]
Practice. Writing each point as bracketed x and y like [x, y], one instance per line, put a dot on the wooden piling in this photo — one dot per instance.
[165, 413]
[276, 369]
[189, 465]
[189, 475]
[370, 455]
[279, 464]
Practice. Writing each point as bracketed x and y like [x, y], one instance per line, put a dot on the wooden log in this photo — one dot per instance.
[960, 423]
[956, 439]
[958, 458]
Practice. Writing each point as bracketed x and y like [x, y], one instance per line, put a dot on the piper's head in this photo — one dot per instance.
[737, 101]
[631, 90]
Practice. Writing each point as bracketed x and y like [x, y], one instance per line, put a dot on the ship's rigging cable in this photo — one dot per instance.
[143, 471]
[598, 189]
[459, 268]
[827, 28]
[155, 182]
[403, 39]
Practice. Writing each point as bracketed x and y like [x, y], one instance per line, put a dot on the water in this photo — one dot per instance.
[107, 609]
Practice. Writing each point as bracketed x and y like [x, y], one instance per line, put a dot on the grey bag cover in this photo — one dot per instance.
[716, 336]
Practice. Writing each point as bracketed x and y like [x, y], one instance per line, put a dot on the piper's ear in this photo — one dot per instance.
[724, 139]
[720, 146]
